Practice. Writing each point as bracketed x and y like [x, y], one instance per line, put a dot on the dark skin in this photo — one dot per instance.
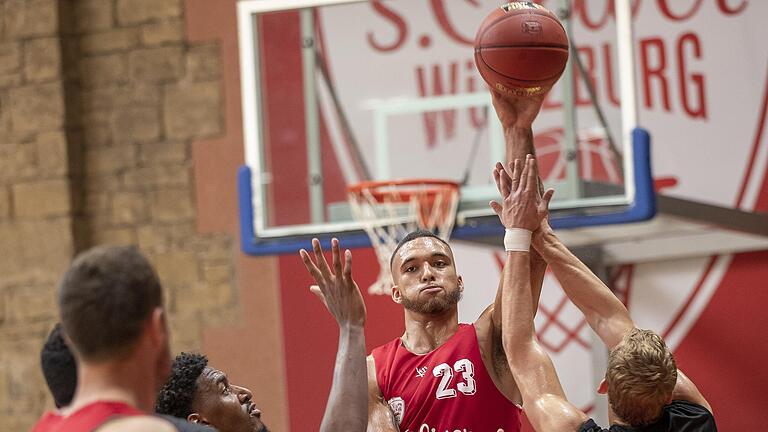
[225, 406]
[346, 408]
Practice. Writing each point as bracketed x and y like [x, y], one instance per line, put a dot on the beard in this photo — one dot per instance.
[435, 304]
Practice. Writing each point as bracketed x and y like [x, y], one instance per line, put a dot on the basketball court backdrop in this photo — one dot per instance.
[337, 94]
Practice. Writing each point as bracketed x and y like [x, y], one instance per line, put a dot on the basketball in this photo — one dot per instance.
[521, 49]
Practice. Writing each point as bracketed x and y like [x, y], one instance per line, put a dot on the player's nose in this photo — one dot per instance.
[426, 273]
[243, 394]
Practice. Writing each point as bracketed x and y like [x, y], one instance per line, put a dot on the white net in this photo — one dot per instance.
[389, 211]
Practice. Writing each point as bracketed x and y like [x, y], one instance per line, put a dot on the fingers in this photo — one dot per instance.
[505, 183]
[314, 289]
[532, 177]
[348, 265]
[496, 207]
[497, 99]
[497, 176]
[506, 179]
[524, 173]
[311, 267]
[322, 264]
[548, 197]
[336, 256]
[515, 175]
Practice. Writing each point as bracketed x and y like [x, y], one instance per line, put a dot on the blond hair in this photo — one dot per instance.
[641, 376]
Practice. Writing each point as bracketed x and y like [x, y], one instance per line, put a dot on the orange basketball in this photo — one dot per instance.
[521, 48]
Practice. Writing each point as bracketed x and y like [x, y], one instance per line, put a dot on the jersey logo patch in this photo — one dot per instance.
[421, 371]
[397, 405]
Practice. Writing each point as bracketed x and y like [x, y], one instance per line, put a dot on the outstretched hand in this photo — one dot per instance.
[335, 287]
[521, 204]
[517, 111]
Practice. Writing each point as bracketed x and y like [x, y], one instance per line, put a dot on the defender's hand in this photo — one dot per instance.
[336, 289]
[517, 111]
[522, 206]
[538, 236]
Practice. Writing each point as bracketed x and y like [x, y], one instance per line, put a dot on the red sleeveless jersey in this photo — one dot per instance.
[446, 390]
[86, 418]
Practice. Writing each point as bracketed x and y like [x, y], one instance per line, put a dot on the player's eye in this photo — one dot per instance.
[410, 269]
[440, 263]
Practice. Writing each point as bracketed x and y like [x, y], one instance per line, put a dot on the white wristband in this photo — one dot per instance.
[517, 240]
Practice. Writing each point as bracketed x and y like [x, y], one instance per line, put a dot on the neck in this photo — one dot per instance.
[124, 380]
[425, 332]
[614, 419]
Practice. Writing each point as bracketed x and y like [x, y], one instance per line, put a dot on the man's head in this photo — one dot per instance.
[424, 274]
[202, 394]
[640, 377]
[59, 367]
[111, 307]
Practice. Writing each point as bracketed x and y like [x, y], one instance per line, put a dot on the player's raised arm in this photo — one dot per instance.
[516, 115]
[604, 312]
[520, 211]
[347, 408]
[606, 315]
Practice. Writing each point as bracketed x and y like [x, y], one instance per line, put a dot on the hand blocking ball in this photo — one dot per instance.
[521, 49]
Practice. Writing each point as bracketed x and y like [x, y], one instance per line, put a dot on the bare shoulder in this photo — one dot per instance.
[494, 358]
[380, 416]
[489, 340]
[686, 390]
[374, 391]
[540, 414]
[137, 424]
[371, 367]
[484, 325]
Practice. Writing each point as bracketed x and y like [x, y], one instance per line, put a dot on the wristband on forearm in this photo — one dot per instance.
[517, 240]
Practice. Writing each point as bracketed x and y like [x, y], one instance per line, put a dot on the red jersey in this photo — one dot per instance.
[446, 390]
[86, 418]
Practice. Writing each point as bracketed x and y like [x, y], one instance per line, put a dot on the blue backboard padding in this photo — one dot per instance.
[252, 245]
[643, 208]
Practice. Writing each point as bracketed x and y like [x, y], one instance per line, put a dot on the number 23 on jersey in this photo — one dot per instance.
[465, 384]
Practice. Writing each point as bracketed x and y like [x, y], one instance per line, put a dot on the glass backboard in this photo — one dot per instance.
[339, 92]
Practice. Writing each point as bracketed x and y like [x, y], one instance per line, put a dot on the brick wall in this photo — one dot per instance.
[100, 101]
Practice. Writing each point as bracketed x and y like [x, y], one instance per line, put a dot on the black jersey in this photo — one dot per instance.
[679, 416]
[183, 425]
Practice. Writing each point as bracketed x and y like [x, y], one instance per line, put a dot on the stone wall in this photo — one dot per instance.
[100, 101]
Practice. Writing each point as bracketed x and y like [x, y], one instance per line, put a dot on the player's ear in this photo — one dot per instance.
[156, 328]
[603, 387]
[461, 284]
[197, 418]
[397, 297]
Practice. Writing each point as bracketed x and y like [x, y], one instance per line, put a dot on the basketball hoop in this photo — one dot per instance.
[390, 209]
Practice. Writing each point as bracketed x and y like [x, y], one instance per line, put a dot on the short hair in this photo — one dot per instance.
[59, 367]
[105, 298]
[641, 376]
[413, 235]
[176, 396]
